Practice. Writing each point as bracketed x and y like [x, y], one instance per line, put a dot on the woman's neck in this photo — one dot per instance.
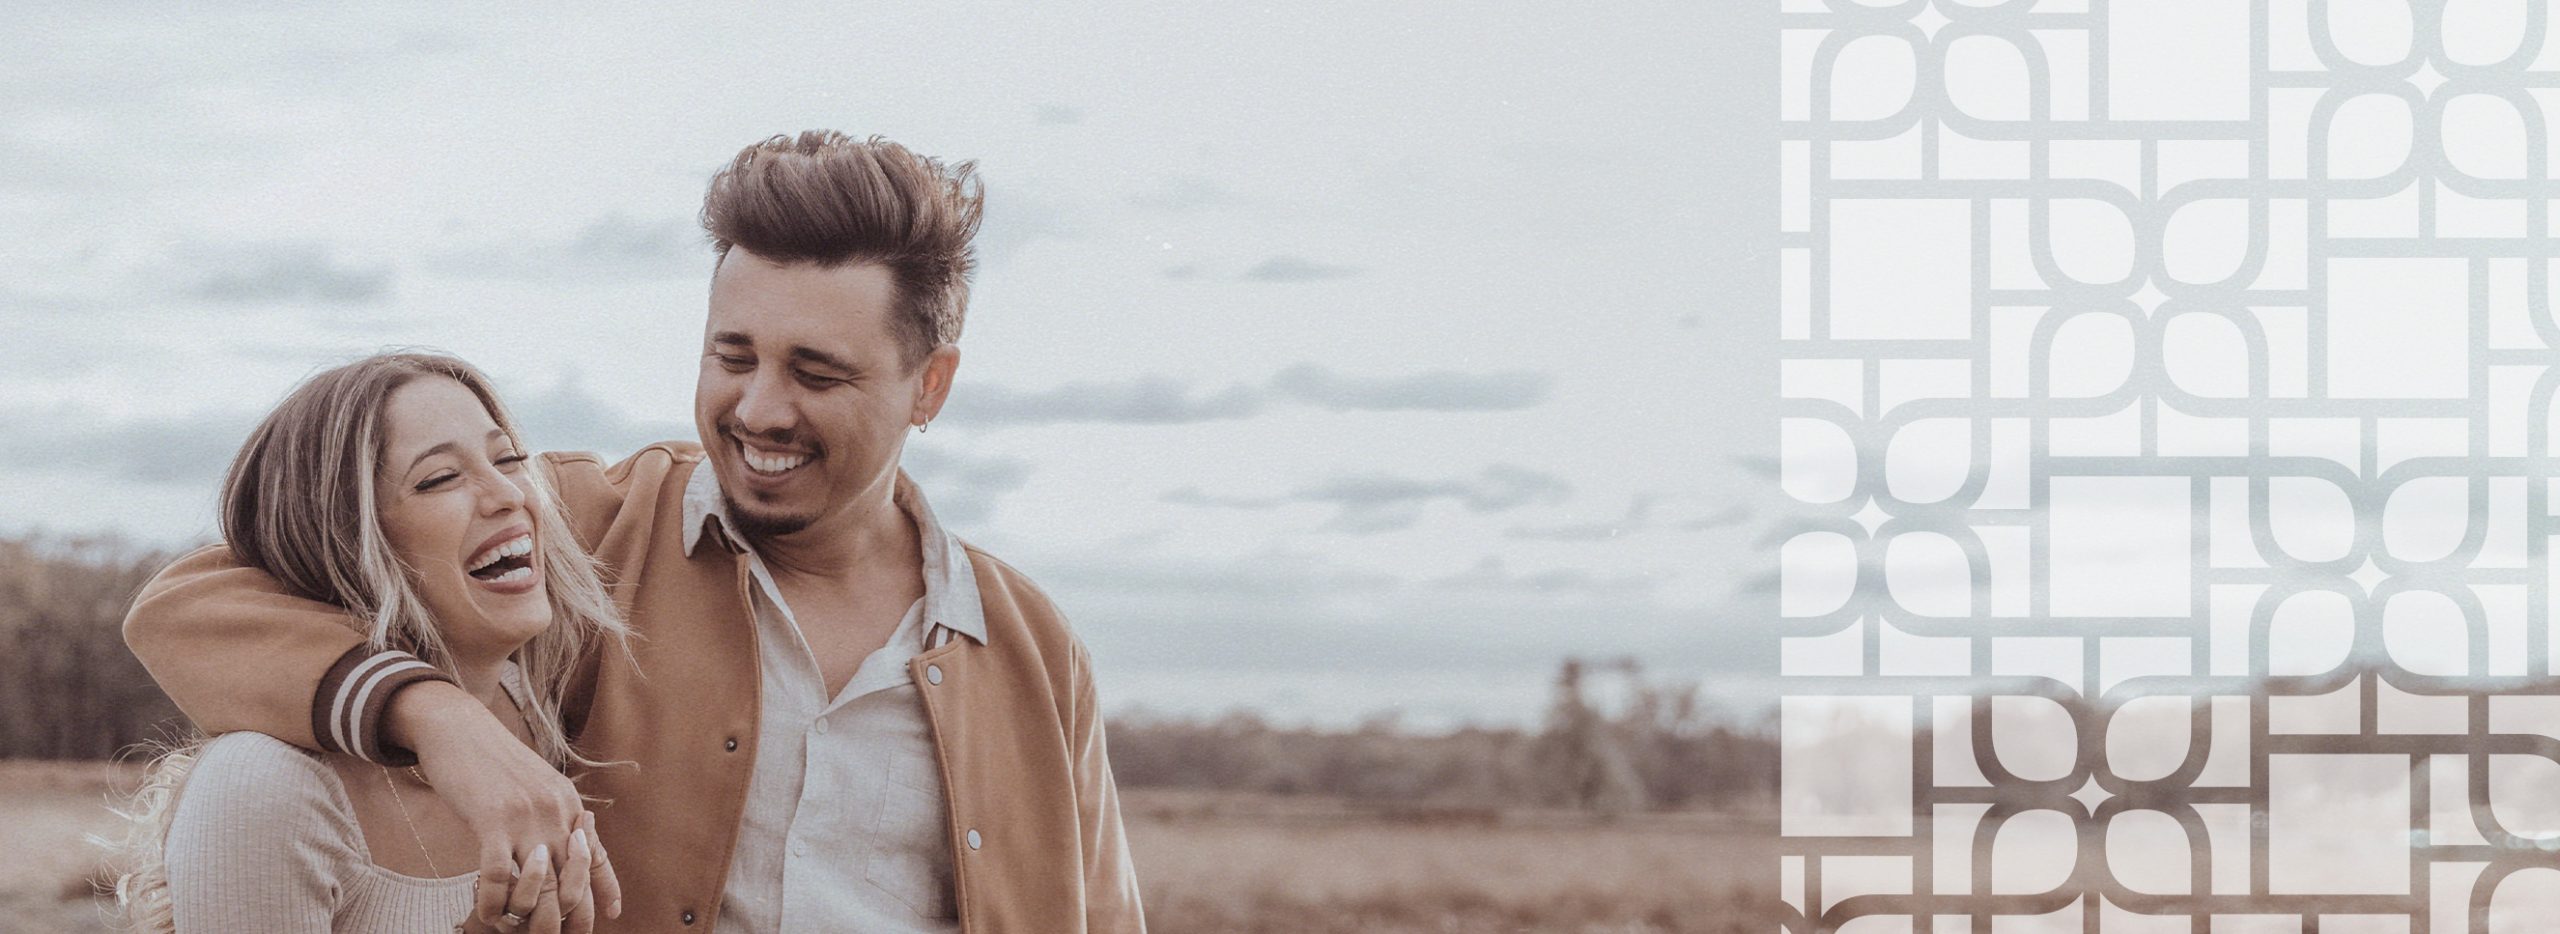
[485, 679]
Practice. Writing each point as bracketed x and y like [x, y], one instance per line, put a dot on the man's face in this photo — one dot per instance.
[802, 402]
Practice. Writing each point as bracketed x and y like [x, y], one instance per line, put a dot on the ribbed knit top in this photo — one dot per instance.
[266, 840]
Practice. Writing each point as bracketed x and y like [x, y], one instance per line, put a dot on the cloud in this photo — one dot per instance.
[1492, 574]
[568, 418]
[1297, 269]
[1435, 391]
[188, 450]
[1182, 194]
[1146, 401]
[1637, 518]
[279, 272]
[1159, 400]
[1371, 503]
[964, 487]
[613, 246]
[1058, 115]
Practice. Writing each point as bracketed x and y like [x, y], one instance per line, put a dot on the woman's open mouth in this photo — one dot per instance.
[505, 566]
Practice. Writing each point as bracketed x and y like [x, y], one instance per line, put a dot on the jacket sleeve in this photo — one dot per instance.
[237, 651]
[1110, 880]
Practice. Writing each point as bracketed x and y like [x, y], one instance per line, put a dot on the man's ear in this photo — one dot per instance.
[938, 367]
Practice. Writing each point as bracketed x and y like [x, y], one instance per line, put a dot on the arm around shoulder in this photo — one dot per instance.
[237, 651]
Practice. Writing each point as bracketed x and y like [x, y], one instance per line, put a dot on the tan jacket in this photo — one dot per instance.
[1014, 719]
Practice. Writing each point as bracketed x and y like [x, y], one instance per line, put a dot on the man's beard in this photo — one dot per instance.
[758, 526]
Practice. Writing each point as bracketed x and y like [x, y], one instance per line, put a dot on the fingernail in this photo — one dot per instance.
[615, 911]
[579, 837]
[542, 854]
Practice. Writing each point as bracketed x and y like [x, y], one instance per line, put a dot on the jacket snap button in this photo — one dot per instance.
[732, 744]
[933, 674]
[973, 838]
[688, 919]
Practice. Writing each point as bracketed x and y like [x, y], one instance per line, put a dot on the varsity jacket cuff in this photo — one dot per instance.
[347, 711]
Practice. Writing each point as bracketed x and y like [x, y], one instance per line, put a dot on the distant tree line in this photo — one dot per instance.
[70, 690]
[1660, 749]
[68, 687]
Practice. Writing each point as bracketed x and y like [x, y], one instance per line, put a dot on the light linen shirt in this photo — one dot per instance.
[845, 827]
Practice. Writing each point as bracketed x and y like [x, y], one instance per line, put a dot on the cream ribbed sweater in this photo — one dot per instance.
[265, 840]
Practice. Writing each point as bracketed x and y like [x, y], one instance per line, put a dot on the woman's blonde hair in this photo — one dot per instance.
[300, 503]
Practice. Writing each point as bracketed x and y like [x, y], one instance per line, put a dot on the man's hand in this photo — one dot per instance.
[514, 802]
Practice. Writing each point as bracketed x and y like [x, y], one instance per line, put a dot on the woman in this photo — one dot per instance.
[395, 487]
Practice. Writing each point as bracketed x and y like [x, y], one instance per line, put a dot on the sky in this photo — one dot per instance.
[1324, 359]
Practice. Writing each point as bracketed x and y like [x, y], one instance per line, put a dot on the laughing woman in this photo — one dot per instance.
[395, 487]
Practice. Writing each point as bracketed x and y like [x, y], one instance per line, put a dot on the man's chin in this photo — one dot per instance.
[756, 523]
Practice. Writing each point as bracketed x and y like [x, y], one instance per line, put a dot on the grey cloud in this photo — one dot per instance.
[1735, 514]
[964, 488]
[1158, 400]
[279, 272]
[1637, 517]
[1493, 574]
[1434, 391]
[1372, 503]
[614, 246]
[568, 418]
[1282, 612]
[1182, 194]
[1182, 272]
[1146, 401]
[194, 449]
[1297, 269]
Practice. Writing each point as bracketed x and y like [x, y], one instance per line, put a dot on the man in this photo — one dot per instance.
[837, 717]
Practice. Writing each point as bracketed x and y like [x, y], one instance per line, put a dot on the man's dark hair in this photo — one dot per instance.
[830, 199]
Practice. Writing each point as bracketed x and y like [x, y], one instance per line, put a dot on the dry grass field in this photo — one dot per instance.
[1208, 862]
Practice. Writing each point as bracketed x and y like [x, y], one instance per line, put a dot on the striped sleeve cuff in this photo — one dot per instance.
[346, 714]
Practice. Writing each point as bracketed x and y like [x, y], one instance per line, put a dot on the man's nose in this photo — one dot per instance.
[764, 406]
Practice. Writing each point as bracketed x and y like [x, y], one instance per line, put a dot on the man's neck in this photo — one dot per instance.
[835, 547]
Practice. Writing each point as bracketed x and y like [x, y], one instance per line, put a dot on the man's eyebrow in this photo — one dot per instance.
[732, 337]
[494, 434]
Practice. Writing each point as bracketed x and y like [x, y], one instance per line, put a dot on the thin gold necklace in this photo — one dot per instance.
[403, 805]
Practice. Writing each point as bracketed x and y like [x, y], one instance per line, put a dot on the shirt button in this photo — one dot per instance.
[973, 838]
[820, 726]
[800, 848]
[933, 674]
[732, 744]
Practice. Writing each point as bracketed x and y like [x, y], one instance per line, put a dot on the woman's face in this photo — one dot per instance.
[455, 498]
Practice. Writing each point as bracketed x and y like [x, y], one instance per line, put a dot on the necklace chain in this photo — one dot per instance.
[403, 805]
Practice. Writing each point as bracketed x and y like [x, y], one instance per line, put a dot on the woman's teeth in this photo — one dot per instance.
[516, 547]
[771, 464]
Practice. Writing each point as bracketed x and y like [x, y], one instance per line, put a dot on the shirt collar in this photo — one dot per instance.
[950, 581]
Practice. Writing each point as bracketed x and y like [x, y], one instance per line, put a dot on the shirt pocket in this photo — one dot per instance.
[910, 859]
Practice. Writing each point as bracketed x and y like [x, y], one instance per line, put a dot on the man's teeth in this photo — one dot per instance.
[513, 547]
[772, 464]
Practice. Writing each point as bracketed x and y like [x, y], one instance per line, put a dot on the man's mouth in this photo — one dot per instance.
[771, 463]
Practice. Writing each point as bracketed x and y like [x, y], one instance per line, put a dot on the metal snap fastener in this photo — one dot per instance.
[973, 838]
[688, 918]
[732, 744]
[933, 674]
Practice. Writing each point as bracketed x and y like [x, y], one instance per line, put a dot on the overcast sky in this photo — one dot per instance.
[1324, 358]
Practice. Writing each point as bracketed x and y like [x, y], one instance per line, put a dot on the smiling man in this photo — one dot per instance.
[837, 715]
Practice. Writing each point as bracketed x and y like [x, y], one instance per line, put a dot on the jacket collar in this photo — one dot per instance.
[951, 582]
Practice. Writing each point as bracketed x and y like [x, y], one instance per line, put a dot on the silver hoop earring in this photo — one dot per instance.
[920, 427]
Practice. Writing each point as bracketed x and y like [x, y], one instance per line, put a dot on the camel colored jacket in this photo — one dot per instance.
[1014, 719]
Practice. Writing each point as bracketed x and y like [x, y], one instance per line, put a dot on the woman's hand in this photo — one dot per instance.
[512, 800]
